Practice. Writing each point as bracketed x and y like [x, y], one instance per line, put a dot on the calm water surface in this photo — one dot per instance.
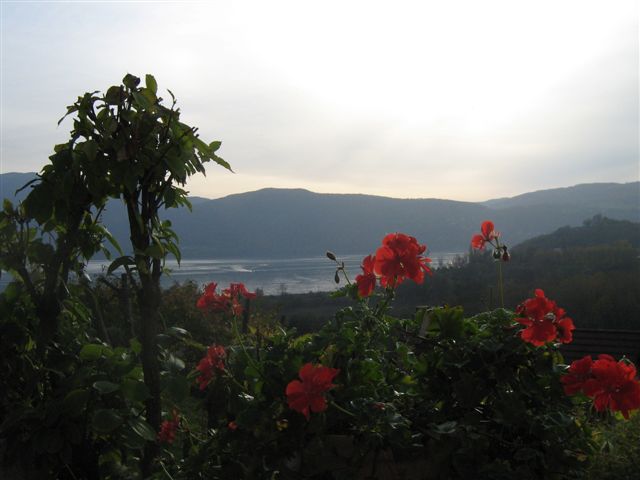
[273, 276]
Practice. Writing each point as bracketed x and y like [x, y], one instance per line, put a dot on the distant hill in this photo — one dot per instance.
[592, 271]
[608, 196]
[272, 223]
[594, 232]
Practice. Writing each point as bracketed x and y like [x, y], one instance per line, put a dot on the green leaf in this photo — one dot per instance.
[143, 429]
[176, 165]
[178, 332]
[169, 198]
[131, 81]
[449, 321]
[251, 372]
[75, 402]
[91, 352]
[155, 251]
[173, 249]
[112, 97]
[119, 262]
[38, 203]
[106, 420]
[135, 345]
[178, 388]
[132, 441]
[70, 110]
[90, 148]
[446, 427]
[174, 364]
[134, 390]
[221, 162]
[142, 100]
[112, 240]
[151, 83]
[104, 387]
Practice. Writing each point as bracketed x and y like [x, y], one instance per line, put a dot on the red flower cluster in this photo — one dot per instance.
[227, 301]
[168, 428]
[544, 320]
[490, 236]
[308, 395]
[611, 384]
[212, 361]
[399, 257]
[367, 280]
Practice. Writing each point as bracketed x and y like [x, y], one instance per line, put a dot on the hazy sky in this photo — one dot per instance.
[450, 99]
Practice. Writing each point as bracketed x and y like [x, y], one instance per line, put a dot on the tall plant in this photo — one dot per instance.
[148, 154]
[125, 144]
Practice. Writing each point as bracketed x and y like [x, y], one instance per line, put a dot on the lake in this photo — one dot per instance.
[273, 276]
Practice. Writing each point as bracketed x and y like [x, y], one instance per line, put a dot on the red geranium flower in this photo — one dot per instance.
[565, 330]
[212, 301]
[611, 384]
[367, 280]
[308, 395]
[238, 289]
[544, 320]
[212, 361]
[168, 428]
[400, 257]
[577, 375]
[488, 235]
[617, 387]
[227, 301]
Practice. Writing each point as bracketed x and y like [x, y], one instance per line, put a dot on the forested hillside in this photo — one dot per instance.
[592, 270]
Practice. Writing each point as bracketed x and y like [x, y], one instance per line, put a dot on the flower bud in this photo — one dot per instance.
[505, 255]
[282, 424]
[336, 278]
[497, 254]
[331, 256]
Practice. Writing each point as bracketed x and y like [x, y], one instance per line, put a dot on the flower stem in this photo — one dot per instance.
[244, 349]
[500, 286]
[165, 471]
[334, 404]
[382, 306]
[235, 380]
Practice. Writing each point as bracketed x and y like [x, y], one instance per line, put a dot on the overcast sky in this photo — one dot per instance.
[449, 99]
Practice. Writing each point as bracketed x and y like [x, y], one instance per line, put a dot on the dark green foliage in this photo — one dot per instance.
[618, 454]
[592, 271]
[467, 398]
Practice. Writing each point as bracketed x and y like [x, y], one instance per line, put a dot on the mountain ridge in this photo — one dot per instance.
[20, 178]
[277, 223]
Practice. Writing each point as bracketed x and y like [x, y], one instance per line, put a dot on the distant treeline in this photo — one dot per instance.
[592, 271]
